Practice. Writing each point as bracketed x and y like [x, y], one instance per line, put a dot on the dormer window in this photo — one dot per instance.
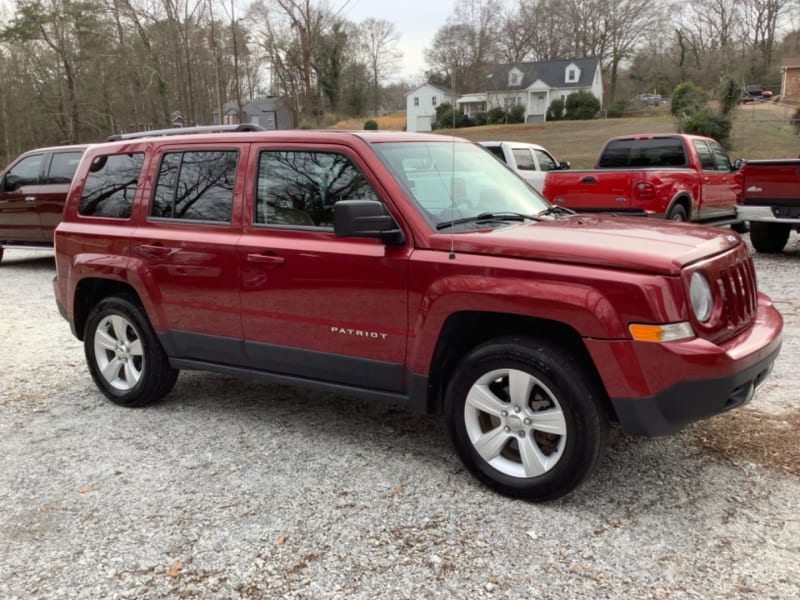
[572, 74]
[514, 77]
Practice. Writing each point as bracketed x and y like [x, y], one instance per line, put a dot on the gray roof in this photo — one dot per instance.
[550, 72]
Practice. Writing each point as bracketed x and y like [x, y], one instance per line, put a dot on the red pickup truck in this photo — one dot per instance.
[675, 176]
[408, 268]
[771, 201]
[33, 189]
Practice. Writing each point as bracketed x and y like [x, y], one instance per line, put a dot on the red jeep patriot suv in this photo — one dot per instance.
[412, 269]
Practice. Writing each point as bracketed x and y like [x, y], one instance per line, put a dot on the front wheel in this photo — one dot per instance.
[125, 358]
[525, 419]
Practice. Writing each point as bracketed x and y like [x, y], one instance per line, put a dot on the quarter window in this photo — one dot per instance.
[111, 186]
[196, 186]
[299, 188]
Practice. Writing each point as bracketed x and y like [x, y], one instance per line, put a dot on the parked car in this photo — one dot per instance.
[33, 189]
[674, 176]
[755, 93]
[531, 161]
[423, 274]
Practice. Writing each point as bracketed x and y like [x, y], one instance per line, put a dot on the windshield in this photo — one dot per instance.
[458, 181]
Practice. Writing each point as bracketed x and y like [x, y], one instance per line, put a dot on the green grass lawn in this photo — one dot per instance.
[760, 131]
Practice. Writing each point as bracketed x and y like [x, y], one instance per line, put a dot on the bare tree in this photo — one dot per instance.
[379, 40]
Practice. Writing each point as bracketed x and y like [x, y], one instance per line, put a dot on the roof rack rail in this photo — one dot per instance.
[181, 130]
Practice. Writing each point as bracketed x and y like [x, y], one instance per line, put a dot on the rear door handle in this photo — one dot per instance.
[265, 259]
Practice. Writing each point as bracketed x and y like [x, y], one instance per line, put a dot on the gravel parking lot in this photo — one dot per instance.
[232, 489]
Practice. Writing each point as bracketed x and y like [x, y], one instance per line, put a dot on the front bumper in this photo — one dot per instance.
[656, 389]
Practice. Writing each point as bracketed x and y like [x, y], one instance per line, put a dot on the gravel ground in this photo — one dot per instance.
[230, 489]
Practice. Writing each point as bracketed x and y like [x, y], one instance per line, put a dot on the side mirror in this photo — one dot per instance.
[564, 164]
[366, 218]
[737, 164]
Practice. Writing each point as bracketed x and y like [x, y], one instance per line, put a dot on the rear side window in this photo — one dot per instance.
[196, 186]
[651, 152]
[299, 188]
[111, 186]
[524, 159]
[63, 166]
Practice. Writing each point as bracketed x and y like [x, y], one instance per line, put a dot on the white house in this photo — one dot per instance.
[537, 84]
[421, 106]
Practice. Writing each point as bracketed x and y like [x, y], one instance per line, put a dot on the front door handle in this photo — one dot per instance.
[265, 259]
[30, 199]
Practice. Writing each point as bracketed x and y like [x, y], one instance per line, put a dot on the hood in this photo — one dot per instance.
[637, 244]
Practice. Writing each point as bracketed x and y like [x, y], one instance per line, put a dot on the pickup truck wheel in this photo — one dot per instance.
[524, 418]
[677, 213]
[125, 358]
[769, 238]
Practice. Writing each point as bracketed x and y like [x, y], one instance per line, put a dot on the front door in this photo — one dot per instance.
[315, 306]
[20, 187]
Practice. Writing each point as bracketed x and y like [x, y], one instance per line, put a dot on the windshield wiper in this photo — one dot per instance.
[488, 217]
[556, 210]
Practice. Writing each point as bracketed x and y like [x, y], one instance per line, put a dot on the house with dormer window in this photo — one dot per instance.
[536, 85]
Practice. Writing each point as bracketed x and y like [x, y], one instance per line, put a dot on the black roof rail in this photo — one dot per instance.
[181, 130]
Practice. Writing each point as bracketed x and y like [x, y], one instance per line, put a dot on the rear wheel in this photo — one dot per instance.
[525, 419]
[677, 213]
[125, 358]
[769, 237]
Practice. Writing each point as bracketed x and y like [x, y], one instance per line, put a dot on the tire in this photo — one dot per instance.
[677, 213]
[125, 358]
[500, 433]
[769, 238]
[740, 227]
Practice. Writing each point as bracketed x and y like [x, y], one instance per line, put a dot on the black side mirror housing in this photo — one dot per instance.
[564, 164]
[737, 164]
[366, 218]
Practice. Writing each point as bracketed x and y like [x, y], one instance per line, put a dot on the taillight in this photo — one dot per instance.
[645, 191]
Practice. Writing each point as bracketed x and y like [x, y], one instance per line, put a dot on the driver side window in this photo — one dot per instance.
[25, 172]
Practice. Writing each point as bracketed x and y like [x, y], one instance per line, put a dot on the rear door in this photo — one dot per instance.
[315, 306]
[605, 190]
[20, 187]
[713, 182]
[188, 246]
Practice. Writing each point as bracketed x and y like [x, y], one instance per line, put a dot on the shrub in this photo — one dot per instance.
[582, 106]
[796, 121]
[371, 125]
[556, 110]
[704, 122]
[449, 118]
[617, 110]
[496, 116]
[517, 114]
[480, 118]
[687, 99]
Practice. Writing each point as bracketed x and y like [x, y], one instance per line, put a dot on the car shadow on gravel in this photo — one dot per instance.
[634, 471]
[43, 262]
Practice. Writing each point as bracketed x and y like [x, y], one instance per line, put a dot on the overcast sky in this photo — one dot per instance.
[417, 22]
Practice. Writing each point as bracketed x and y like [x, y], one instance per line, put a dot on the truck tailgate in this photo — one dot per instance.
[772, 182]
[607, 190]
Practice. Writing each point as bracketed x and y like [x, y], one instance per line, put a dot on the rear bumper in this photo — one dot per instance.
[769, 214]
[656, 389]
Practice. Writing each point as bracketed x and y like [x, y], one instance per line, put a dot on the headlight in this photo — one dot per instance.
[701, 297]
